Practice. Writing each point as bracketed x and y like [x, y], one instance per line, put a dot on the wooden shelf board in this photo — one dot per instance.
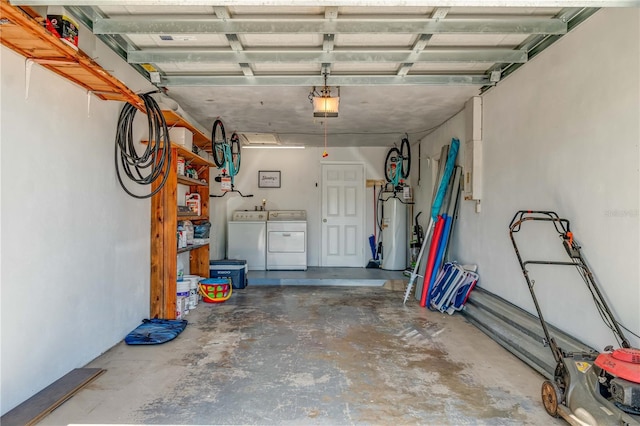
[192, 157]
[191, 217]
[191, 247]
[191, 182]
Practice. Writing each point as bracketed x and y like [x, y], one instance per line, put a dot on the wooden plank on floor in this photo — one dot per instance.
[44, 402]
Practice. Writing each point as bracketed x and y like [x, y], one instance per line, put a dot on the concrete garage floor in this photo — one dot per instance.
[313, 355]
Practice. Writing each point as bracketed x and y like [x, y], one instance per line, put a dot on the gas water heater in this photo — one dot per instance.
[394, 235]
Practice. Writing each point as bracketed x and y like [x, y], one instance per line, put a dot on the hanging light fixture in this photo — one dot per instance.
[324, 105]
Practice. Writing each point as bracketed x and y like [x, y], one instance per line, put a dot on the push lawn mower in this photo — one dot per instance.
[588, 388]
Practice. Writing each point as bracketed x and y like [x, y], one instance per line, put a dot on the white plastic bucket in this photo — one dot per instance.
[182, 290]
[195, 278]
[193, 289]
[193, 298]
[180, 307]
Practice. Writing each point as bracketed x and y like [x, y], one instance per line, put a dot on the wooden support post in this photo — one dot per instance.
[164, 251]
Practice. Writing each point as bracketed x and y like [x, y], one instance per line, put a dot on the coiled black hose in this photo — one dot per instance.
[143, 169]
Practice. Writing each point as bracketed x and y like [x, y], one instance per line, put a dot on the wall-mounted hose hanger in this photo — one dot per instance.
[145, 168]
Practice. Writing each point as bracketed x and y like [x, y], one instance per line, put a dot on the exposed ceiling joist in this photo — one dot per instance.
[404, 69]
[202, 25]
[421, 43]
[328, 42]
[440, 13]
[318, 80]
[221, 12]
[331, 13]
[416, 50]
[234, 43]
[246, 69]
[424, 58]
[325, 3]
[317, 56]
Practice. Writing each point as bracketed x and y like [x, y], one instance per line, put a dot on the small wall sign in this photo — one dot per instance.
[269, 179]
[225, 184]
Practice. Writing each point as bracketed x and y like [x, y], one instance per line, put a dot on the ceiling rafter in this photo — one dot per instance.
[246, 69]
[193, 55]
[202, 25]
[326, 3]
[221, 12]
[328, 40]
[234, 42]
[421, 42]
[318, 80]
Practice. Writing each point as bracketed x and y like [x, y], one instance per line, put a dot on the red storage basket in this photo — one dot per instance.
[215, 290]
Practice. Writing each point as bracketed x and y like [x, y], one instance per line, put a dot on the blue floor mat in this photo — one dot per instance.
[155, 331]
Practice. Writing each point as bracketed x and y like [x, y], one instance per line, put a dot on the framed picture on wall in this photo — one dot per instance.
[269, 179]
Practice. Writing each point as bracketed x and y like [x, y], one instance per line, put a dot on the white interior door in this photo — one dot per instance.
[342, 225]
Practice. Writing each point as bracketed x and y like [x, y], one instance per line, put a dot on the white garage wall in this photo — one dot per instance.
[562, 134]
[75, 247]
[300, 173]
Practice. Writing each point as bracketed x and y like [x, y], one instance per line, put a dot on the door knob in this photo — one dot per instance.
[324, 220]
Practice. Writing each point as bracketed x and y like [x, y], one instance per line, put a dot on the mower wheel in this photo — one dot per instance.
[551, 397]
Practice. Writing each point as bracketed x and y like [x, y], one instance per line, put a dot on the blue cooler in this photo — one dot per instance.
[234, 269]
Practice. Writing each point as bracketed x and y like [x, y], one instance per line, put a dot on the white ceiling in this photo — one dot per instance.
[369, 115]
[401, 69]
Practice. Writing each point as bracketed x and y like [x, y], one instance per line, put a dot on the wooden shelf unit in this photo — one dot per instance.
[164, 241]
[26, 36]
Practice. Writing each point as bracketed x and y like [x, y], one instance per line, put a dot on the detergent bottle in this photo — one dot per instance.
[193, 202]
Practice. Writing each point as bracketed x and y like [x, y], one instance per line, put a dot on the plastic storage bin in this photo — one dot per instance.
[234, 269]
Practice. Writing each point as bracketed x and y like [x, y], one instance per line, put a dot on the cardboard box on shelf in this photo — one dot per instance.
[62, 26]
[181, 136]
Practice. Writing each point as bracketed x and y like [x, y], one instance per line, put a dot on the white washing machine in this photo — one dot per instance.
[247, 238]
[287, 240]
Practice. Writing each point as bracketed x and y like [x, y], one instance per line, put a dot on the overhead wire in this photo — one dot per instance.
[145, 168]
